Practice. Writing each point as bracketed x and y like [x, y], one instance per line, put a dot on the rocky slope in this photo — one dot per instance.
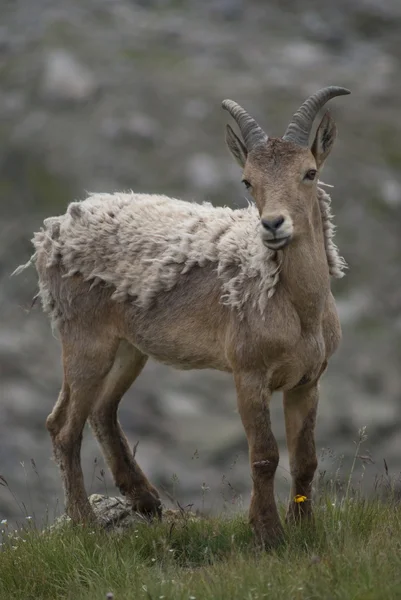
[105, 95]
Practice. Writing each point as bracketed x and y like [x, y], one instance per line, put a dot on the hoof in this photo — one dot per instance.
[299, 511]
[146, 503]
[268, 536]
[81, 513]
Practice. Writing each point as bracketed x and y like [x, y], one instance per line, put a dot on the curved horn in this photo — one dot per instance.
[251, 132]
[298, 131]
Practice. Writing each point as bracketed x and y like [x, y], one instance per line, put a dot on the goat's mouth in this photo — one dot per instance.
[277, 243]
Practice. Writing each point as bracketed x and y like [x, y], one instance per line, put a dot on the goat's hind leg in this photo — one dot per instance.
[66, 448]
[128, 476]
[86, 361]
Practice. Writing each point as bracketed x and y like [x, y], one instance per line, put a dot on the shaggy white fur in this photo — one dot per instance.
[141, 245]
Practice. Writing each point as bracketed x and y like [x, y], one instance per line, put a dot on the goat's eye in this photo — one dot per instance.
[310, 175]
[246, 183]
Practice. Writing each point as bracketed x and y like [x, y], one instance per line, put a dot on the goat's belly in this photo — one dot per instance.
[176, 351]
[180, 358]
[188, 362]
[183, 328]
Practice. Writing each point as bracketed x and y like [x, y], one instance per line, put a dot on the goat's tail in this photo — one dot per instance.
[21, 268]
[46, 254]
[44, 240]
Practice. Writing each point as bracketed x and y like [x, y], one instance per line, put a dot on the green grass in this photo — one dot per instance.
[352, 551]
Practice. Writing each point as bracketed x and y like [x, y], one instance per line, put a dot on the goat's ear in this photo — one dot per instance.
[324, 139]
[236, 147]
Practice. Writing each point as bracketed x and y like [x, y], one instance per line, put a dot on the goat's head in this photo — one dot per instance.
[282, 173]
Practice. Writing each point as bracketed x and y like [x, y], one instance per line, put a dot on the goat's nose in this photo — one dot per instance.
[273, 224]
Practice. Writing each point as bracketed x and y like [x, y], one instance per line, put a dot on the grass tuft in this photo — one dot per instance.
[350, 550]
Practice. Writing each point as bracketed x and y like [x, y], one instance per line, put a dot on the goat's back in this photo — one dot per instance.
[141, 245]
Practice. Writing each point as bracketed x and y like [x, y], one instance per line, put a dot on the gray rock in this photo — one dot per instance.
[66, 79]
[391, 190]
[116, 514]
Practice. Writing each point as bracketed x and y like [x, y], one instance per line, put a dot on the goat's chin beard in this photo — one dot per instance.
[277, 244]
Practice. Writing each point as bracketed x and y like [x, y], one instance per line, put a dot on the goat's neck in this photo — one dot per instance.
[305, 272]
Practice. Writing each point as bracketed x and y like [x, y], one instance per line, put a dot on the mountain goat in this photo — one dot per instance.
[128, 276]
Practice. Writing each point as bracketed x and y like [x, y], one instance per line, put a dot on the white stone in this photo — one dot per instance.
[64, 78]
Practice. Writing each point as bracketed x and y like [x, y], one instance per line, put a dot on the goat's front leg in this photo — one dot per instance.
[253, 406]
[300, 408]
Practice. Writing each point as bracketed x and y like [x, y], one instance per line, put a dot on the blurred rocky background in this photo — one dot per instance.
[104, 95]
